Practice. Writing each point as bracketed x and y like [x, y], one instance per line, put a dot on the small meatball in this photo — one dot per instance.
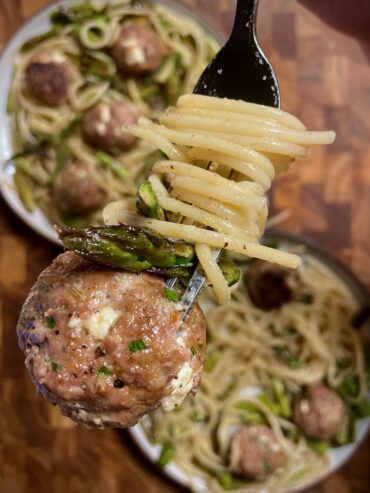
[138, 50]
[258, 452]
[104, 127]
[105, 345]
[47, 79]
[76, 192]
[320, 414]
[270, 285]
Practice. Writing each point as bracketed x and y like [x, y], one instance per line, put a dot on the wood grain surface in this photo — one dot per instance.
[325, 80]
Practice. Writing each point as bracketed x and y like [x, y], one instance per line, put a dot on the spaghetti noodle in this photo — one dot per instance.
[222, 157]
[82, 37]
[243, 372]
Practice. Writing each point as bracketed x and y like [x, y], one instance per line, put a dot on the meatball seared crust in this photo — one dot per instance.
[105, 344]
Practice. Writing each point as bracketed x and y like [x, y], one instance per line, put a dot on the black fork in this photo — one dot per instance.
[240, 70]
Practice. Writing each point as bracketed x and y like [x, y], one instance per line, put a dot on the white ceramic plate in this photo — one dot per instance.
[36, 25]
[338, 456]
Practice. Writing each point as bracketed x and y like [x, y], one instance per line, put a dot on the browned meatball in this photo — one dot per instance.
[320, 414]
[104, 344]
[76, 191]
[270, 285]
[104, 127]
[48, 80]
[138, 50]
[258, 451]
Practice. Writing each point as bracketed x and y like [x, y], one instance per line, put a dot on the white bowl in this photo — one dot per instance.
[38, 24]
[338, 456]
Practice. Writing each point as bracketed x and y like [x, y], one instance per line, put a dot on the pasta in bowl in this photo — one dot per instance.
[259, 369]
[85, 74]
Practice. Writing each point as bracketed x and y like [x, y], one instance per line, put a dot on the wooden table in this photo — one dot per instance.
[325, 80]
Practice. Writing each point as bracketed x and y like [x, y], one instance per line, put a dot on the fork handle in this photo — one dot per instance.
[245, 21]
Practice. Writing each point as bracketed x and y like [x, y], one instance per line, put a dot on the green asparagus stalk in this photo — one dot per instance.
[138, 249]
[24, 191]
[122, 246]
[115, 166]
[147, 202]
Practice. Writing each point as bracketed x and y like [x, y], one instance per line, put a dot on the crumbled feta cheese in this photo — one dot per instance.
[75, 323]
[58, 57]
[105, 113]
[180, 386]
[304, 407]
[135, 55]
[101, 321]
[100, 128]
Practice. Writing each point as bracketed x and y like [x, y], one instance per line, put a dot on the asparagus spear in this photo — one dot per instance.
[147, 202]
[138, 249]
[104, 244]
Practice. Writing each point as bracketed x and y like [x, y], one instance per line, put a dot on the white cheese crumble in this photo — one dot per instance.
[75, 323]
[135, 55]
[100, 128]
[105, 113]
[58, 57]
[101, 321]
[180, 386]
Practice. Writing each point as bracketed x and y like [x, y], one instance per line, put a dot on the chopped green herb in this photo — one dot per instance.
[349, 387]
[363, 408]
[226, 480]
[193, 350]
[51, 322]
[318, 446]
[306, 298]
[211, 361]
[166, 455]
[286, 356]
[55, 366]
[171, 295]
[137, 346]
[199, 417]
[104, 370]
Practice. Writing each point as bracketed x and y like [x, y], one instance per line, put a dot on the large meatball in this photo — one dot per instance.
[105, 344]
[270, 285]
[320, 414]
[138, 50]
[76, 190]
[259, 453]
[48, 79]
[104, 127]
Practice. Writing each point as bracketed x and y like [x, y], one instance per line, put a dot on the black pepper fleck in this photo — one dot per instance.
[119, 384]
[99, 352]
